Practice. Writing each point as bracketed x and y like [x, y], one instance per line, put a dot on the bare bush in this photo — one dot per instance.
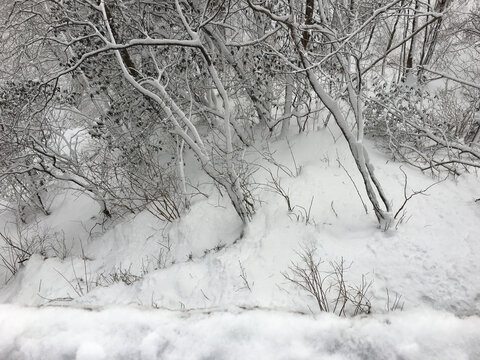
[13, 254]
[329, 288]
[274, 184]
[430, 131]
[117, 275]
[18, 246]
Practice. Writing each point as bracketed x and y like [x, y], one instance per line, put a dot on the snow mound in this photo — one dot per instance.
[131, 333]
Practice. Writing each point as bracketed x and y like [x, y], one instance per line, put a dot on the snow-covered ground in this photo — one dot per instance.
[224, 334]
[183, 296]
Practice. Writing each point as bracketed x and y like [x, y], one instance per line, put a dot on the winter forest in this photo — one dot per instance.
[239, 179]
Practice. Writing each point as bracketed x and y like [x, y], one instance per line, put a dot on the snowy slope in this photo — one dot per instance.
[189, 272]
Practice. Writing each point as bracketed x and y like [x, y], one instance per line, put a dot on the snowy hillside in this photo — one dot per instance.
[234, 180]
[186, 289]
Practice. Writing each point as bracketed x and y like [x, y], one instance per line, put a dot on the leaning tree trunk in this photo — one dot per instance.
[357, 148]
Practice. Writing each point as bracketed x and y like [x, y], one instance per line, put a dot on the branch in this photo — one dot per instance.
[451, 77]
[414, 193]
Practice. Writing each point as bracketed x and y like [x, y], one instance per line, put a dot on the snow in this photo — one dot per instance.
[134, 333]
[188, 301]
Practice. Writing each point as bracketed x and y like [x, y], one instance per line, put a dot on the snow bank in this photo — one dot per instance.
[132, 333]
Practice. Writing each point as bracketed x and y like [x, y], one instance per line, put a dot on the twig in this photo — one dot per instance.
[333, 209]
[414, 193]
[356, 188]
[297, 169]
[243, 275]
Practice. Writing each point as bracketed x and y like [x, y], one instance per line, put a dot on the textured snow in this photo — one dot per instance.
[132, 333]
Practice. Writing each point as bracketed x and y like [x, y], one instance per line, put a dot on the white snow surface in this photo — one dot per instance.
[188, 300]
[132, 333]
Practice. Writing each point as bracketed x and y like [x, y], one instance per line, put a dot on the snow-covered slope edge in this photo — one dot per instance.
[131, 333]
